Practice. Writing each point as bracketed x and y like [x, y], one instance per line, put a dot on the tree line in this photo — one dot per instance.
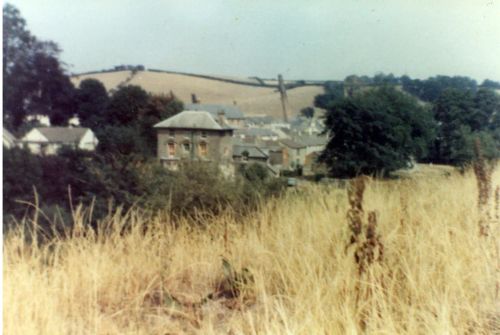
[379, 125]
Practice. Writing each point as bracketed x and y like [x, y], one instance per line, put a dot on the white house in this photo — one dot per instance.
[9, 140]
[48, 140]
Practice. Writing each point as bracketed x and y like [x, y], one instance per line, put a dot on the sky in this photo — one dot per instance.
[301, 39]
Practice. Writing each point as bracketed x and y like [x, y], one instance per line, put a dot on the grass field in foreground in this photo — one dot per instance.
[437, 274]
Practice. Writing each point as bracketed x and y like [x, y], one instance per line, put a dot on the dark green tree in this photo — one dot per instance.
[333, 90]
[125, 106]
[463, 116]
[22, 171]
[307, 112]
[158, 108]
[34, 82]
[375, 132]
[430, 89]
[93, 100]
[487, 83]
[129, 120]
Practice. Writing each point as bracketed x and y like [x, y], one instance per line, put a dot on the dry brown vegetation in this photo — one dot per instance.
[288, 269]
[252, 100]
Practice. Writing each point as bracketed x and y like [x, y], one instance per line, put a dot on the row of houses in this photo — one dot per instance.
[48, 140]
[207, 133]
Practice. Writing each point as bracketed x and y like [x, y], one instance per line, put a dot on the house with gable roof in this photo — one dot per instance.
[9, 140]
[48, 140]
[195, 136]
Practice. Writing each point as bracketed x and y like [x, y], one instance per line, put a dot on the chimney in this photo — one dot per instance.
[221, 118]
[194, 99]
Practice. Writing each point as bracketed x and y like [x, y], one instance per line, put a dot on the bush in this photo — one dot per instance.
[106, 182]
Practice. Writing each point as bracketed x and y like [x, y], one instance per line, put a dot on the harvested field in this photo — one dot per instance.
[252, 100]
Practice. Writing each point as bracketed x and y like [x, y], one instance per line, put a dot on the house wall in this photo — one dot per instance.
[88, 141]
[296, 157]
[314, 148]
[236, 123]
[35, 142]
[219, 145]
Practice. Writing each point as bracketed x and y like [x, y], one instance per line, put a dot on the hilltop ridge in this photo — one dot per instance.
[254, 96]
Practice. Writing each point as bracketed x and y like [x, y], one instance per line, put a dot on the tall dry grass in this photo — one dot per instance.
[138, 275]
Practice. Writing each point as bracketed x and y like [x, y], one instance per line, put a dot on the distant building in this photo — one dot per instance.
[195, 136]
[248, 154]
[39, 119]
[9, 140]
[261, 134]
[307, 126]
[303, 152]
[234, 116]
[295, 155]
[48, 140]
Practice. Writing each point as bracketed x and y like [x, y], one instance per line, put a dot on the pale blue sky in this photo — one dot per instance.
[312, 39]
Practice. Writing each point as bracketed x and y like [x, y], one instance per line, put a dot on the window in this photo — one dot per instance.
[186, 146]
[171, 133]
[203, 149]
[204, 134]
[44, 148]
[171, 149]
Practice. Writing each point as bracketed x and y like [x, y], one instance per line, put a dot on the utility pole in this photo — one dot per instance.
[284, 98]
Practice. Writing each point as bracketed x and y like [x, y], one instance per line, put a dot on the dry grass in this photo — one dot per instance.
[251, 99]
[437, 274]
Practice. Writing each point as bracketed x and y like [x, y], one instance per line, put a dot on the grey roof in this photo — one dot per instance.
[256, 132]
[189, 119]
[63, 134]
[230, 112]
[292, 144]
[253, 151]
[266, 119]
[271, 146]
[312, 140]
[8, 136]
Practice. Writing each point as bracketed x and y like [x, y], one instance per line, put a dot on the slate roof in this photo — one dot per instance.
[292, 144]
[253, 151]
[260, 119]
[230, 112]
[8, 136]
[256, 132]
[312, 140]
[63, 134]
[190, 119]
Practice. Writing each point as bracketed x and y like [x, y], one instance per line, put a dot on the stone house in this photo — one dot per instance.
[48, 140]
[303, 151]
[295, 154]
[248, 154]
[195, 136]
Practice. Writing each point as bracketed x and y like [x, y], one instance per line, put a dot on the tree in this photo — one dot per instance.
[307, 112]
[92, 101]
[375, 132]
[487, 83]
[34, 80]
[125, 105]
[463, 116]
[158, 108]
[430, 89]
[333, 90]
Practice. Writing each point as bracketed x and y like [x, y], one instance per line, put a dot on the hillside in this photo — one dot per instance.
[252, 100]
